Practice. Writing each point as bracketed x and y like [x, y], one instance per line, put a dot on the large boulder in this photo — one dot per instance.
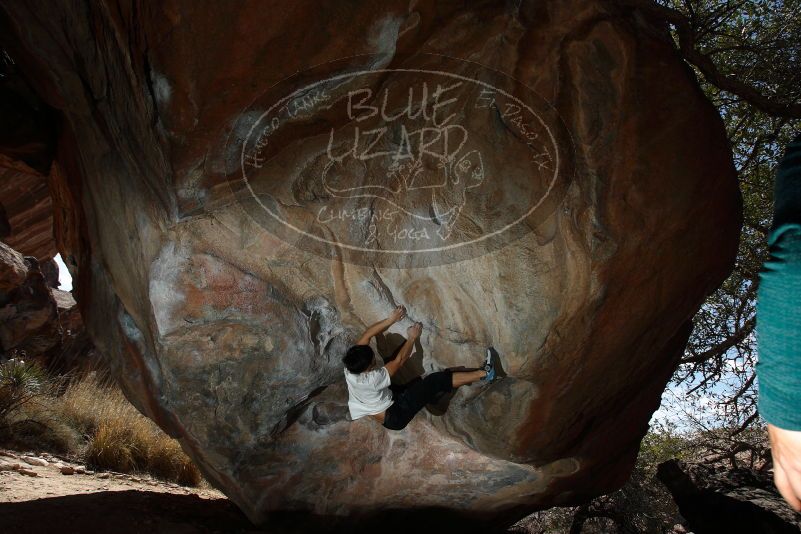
[243, 188]
[29, 325]
[715, 499]
[37, 321]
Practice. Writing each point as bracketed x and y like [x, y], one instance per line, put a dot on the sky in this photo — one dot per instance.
[64, 277]
[680, 411]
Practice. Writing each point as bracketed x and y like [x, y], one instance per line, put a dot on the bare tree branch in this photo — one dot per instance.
[718, 350]
[687, 47]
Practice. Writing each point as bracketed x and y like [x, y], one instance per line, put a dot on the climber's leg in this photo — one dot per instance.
[487, 373]
[436, 384]
[397, 389]
[467, 377]
[406, 405]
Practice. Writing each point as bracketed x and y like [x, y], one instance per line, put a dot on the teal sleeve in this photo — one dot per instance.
[778, 327]
[787, 189]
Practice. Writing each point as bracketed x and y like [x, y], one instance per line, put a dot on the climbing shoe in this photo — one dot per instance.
[489, 367]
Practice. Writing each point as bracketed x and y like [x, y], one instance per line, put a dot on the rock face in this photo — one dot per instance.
[37, 321]
[736, 500]
[28, 312]
[239, 202]
[26, 201]
[27, 146]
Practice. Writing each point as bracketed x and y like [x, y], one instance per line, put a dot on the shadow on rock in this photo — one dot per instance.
[124, 512]
[132, 511]
[713, 499]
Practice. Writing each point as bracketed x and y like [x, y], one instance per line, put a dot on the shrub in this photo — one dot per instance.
[27, 416]
[20, 382]
[167, 460]
[90, 419]
[119, 437]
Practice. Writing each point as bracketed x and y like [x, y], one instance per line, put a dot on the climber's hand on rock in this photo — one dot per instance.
[786, 450]
[397, 314]
[414, 331]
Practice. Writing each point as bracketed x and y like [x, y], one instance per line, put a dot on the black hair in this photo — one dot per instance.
[358, 358]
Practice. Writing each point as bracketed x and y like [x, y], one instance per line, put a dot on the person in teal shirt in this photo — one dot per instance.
[779, 329]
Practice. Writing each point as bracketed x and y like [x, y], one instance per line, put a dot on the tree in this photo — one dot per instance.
[746, 55]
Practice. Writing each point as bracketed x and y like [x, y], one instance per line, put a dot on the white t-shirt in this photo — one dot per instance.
[369, 392]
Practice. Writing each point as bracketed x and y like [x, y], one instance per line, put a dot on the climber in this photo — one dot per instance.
[779, 329]
[369, 388]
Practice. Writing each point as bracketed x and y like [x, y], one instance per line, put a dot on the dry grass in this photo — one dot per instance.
[93, 420]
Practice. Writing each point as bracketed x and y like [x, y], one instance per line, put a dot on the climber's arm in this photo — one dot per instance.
[405, 352]
[376, 328]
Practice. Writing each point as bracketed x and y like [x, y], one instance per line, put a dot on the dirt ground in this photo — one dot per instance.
[101, 502]
[106, 502]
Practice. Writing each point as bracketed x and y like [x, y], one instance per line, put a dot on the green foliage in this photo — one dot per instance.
[662, 443]
[20, 382]
[757, 44]
[86, 416]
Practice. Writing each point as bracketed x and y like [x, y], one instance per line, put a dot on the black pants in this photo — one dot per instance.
[408, 400]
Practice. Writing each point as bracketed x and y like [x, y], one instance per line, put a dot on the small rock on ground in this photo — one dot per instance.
[33, 460]
[8, 466]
